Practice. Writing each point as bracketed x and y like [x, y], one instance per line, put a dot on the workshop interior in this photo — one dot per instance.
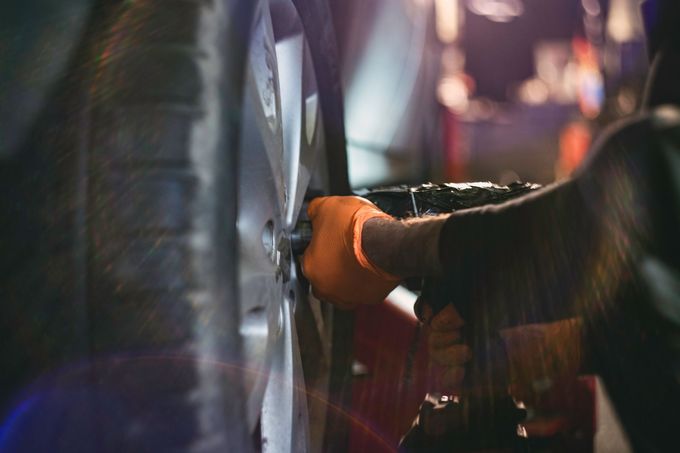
[156, 163]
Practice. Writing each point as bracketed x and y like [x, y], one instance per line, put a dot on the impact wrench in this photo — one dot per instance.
[484, 416]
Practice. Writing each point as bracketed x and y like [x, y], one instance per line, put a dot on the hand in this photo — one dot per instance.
[444, 346]
[334, 262]
[541, 356]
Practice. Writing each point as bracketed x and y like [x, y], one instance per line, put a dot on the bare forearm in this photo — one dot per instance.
[404, 248]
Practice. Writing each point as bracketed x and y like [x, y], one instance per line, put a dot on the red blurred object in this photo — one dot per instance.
[393, 375]
[575, 140]
[454, 160]
[386, 399]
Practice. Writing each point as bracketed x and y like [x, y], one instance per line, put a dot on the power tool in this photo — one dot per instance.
[484, 416]
[416, 201]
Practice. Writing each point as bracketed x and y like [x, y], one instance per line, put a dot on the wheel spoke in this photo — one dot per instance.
[313, 321]
[261, 200]
[281, 143]
[313, 140]
[300, 412]
[265, 121]
[299, 105]
[290, 52]
[284, 409]
[259, 223]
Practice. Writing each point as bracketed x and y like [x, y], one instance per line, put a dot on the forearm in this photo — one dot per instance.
[404, 248]
[526, 253]
[522, 261]
[543, 256]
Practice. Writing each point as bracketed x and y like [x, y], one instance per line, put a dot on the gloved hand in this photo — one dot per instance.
[443, 333]
[334, 262]
[542, 357]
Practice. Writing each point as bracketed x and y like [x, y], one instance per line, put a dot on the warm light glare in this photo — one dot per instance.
[447, 17]
[497, 10]
[453, 60]
[453, 93]
[534, 92]
[626, 101]
[591, 7]
[623, 24]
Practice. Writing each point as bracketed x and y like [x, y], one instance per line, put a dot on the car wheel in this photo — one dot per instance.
[286, 332]
[201, 126]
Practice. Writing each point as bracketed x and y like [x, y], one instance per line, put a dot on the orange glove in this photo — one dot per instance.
[334, 262]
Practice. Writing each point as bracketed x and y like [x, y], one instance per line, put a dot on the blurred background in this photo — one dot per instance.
[497, 90]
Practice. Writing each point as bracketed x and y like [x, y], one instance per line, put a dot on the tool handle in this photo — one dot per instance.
[489, 358]
[301, 237]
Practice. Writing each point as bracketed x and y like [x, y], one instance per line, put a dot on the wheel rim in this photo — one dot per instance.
[281, 148]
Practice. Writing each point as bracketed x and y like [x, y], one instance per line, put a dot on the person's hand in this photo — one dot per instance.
[444, 346]
[542, 356]
[334, 262]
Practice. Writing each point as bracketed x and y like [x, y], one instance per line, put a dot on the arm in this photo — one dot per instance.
[579, 248]
[406, 248]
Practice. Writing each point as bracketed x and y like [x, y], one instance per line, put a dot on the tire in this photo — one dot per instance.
[163, 166]
[288, 119]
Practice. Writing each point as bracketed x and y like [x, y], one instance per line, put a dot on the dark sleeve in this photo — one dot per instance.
[524, 257]
[558, 251]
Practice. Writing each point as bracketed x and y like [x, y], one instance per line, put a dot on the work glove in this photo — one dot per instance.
[443, 327]
[335, 263]
[445, 348]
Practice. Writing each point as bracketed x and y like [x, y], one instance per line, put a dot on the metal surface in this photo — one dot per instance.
[281, 143]
[301, 237]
